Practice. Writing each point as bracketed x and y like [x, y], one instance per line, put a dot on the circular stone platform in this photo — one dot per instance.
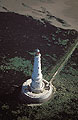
[28, 96]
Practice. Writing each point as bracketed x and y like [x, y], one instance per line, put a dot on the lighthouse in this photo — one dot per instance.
[37, 84]
[36, 89]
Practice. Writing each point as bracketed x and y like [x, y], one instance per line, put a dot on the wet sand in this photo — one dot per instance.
[63, 9]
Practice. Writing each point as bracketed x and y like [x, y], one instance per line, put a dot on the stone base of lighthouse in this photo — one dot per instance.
[29, 95]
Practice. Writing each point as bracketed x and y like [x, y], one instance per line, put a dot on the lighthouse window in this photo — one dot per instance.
[38, 67]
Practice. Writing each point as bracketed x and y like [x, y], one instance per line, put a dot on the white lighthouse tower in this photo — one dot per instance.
[37, 84]
[36, 89]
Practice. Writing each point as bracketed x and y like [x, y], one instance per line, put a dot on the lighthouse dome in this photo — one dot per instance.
[37, 50]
